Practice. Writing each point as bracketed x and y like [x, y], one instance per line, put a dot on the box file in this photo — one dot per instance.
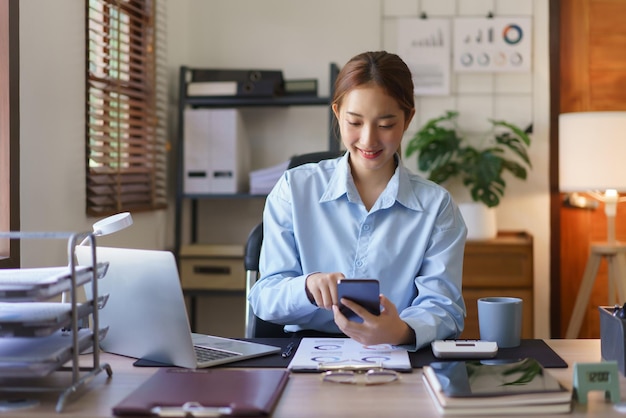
[216, 156]
[219, 267]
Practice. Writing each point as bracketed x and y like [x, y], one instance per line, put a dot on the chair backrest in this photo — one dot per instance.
[256, 327]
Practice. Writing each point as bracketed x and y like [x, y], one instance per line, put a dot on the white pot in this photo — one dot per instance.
[480, 220]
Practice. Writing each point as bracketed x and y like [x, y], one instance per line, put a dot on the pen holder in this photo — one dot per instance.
[612, 337]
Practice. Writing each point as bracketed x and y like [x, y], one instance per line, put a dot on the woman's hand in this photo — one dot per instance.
[386, 328]
[321, 288]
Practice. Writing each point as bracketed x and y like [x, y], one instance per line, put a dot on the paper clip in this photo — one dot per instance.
[193, 409]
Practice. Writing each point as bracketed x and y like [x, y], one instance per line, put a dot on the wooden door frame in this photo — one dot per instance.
[555, 201]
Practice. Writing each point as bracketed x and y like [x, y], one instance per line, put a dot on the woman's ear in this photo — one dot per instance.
[409, 119]
[335, 108]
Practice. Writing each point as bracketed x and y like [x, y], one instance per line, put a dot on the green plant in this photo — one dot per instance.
[443, 154]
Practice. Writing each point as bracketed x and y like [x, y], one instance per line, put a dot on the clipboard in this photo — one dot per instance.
[181, 392]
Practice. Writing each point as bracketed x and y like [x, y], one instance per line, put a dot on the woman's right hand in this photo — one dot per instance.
[321, 288]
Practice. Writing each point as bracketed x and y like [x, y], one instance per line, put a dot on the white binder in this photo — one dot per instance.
[217, 157]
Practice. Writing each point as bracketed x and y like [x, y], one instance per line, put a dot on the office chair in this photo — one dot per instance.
[256, 327]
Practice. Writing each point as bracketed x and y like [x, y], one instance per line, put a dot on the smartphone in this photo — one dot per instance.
[365, 292]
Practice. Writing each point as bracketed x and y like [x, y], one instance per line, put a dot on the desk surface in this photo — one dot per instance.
[305, 395]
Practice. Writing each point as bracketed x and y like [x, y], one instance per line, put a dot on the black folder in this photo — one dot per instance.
[197, 392]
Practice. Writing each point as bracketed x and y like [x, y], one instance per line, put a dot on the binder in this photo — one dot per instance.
[200, 392]
[261, 83]
[261, 88]
[217, 152]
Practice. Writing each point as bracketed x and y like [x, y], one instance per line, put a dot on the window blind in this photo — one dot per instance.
[126, 106]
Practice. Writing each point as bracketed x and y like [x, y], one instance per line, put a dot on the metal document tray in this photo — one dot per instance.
[39, 319]
[31, 284]
[38, 357]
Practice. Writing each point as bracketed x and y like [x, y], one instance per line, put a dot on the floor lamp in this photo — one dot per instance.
[592, 146]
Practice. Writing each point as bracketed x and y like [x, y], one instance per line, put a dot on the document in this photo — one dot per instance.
[262, 181]
[317, 354]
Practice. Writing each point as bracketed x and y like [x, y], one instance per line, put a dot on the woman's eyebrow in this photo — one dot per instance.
[389, 116]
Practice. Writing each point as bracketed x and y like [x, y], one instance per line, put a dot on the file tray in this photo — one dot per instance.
[24, 285]
[612, 337]
[39, 319]
[38, 357]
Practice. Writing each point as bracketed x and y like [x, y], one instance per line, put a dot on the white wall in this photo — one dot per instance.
[300, 37]
[52, 138]
[518, 98]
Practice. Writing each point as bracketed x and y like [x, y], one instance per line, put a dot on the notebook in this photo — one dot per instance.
[146, 312]
[495, 387]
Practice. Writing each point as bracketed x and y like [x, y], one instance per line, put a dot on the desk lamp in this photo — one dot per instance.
[592, 146]
[107, 226]
[111, 224]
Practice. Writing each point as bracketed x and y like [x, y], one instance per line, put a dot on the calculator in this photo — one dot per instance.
[464, 348]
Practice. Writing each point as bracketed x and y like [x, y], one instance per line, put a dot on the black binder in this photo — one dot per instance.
[249, 82]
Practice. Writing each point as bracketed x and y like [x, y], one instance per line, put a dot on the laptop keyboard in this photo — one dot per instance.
[204, 354]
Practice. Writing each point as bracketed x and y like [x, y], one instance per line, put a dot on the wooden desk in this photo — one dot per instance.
[306, 396]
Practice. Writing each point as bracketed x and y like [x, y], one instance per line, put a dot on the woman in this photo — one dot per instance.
[364, 215]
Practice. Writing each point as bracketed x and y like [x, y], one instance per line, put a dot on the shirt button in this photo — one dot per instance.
[366, 227]
[359, 263]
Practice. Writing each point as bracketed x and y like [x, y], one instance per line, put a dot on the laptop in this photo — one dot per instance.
[146, 313]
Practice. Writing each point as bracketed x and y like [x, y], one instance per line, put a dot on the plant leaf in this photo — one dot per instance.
[516, 169]
[514, 144]
[516, 130]
[445, 155]
[484, 177]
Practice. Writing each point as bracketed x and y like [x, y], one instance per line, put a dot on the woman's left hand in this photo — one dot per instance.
[386, 328]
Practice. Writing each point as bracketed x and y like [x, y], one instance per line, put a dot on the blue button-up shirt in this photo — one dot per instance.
[412, 240]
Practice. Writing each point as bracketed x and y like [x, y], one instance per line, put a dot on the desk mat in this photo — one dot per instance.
[537, 349]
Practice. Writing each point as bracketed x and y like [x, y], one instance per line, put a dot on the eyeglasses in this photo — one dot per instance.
[368, 377]
[357, 372]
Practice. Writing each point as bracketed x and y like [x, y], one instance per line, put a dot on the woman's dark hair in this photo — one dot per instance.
[382, 68]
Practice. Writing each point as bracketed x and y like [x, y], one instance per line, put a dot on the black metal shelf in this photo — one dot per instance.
[186, 101]
[278, 101]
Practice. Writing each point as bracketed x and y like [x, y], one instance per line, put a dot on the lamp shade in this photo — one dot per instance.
[592, 151]
[112, 224]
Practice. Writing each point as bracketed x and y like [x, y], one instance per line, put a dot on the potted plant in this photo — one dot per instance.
[443, 154]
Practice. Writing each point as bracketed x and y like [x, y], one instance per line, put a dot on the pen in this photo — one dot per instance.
[288, 350]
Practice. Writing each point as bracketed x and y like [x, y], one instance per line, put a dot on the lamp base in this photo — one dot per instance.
[615, 254]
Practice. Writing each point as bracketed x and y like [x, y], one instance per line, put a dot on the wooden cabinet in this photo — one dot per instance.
[502, 266]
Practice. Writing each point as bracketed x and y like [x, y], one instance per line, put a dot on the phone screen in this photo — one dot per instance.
[365, 292]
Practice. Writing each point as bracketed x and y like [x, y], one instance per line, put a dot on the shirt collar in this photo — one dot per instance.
[398, 189]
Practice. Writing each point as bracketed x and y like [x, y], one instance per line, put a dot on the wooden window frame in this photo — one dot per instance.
[9, 132]
[126, 109]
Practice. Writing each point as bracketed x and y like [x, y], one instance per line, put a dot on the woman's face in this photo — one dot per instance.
[371, 124]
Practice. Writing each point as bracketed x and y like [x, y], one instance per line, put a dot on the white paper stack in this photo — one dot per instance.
[262, 181]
